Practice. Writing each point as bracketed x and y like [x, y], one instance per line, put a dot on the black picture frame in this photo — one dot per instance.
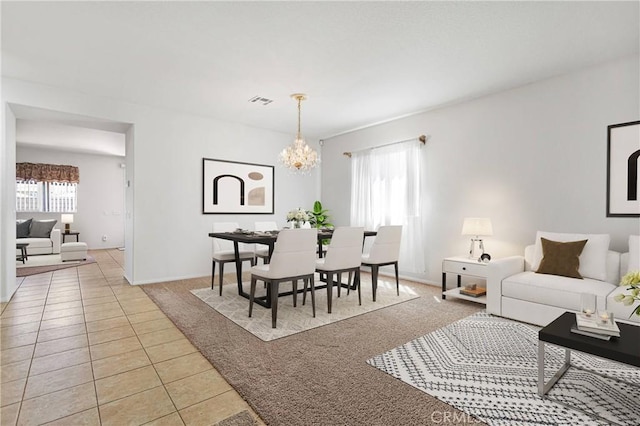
[233, 187]
[623, 180]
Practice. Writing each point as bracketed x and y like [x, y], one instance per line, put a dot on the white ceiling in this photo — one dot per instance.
[53, 135]
[359, 62]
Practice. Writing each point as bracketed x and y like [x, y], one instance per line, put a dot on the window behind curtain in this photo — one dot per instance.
[385, 190]
[34, 196]
[46, 187]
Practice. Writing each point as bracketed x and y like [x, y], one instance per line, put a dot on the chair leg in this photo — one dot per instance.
[397, 281]
[356, 281]
[221, 274]
[294, 285]
[349, 283]
[304, 291]
[213, 272]
[339, 282]
[274, 302]
[374, 280]
[329, 290]
[252, 294]
[313, 296]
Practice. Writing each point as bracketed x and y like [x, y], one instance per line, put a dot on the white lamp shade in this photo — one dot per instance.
[477, 226]
[66, 218]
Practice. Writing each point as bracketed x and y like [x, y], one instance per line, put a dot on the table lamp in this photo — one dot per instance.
[476, 227]
[67, 219]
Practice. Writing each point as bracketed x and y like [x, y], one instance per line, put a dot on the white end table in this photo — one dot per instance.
[462, 266]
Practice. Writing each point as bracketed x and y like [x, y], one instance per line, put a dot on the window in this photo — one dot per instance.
[385, 190]
[34, 196]
[46, 187]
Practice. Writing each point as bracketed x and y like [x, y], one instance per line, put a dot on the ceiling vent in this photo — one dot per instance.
[260, 100]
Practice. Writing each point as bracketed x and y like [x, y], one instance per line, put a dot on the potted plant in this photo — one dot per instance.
[318, 217]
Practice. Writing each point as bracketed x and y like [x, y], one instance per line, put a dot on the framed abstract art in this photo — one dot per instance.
[623, 187]
[232, 187]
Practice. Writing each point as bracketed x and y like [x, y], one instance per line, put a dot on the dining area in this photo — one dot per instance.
[290, 261]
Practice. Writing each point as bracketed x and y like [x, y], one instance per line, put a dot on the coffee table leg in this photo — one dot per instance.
[543, 387]
[541, 368]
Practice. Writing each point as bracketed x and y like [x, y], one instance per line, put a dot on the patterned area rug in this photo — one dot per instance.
[487, 367]
[295, 320]
[38, 264]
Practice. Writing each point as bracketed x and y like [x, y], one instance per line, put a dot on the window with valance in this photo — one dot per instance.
[46, 187]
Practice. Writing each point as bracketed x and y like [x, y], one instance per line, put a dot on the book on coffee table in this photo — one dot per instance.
[595, 325]
[576, 330]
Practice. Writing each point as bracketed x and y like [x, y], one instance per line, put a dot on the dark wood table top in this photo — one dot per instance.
[625, 349]
[251, 237]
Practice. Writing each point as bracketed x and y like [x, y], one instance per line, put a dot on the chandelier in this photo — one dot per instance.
[299, 157]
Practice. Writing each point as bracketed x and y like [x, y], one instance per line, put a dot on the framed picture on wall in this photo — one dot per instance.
[623, 183]
[232, 187]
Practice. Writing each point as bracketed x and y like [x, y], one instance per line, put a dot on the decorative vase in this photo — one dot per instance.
[296, 224]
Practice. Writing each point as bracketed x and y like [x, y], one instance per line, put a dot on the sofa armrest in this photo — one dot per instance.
[55, 239]
[497, 270]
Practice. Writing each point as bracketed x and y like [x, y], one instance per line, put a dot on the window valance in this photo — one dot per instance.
[47, 172]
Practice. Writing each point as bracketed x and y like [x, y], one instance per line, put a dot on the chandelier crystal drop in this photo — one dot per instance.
[299, 157]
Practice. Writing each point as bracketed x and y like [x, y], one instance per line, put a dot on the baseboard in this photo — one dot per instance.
[165, 279]
[404, 277]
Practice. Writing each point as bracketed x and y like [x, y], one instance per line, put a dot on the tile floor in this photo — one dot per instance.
[82, 346]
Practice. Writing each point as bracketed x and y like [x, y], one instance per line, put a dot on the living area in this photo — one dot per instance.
[69, 193]
[525, 144]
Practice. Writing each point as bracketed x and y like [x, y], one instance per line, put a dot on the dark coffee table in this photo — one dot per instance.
[624, 349]
[23, 251]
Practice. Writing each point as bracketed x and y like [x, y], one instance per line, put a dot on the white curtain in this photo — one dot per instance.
[385, 190]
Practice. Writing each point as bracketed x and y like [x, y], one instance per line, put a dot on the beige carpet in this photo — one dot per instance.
[296, 320]
[320, 376]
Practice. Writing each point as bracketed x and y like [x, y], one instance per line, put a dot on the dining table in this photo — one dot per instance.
[269, 239]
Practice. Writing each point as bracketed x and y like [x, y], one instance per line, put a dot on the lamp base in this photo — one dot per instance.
[476, 249]
[67, 228]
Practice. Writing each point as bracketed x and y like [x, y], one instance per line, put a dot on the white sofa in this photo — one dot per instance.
[49, 245]
[515, 291]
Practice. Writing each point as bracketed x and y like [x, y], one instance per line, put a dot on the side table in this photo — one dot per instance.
[66, 234]
[23, 251]
[462, 266]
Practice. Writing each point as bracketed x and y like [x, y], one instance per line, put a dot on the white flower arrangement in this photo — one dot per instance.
[632, 279]
[297, 216]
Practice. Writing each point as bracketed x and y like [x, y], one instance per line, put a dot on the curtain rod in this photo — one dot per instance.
[421, 138]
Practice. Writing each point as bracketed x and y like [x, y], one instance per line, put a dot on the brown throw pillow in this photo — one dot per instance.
[561, 258]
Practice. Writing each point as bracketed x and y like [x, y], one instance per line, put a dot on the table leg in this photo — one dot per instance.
[444, 285]
[544, 388]
[236, 249]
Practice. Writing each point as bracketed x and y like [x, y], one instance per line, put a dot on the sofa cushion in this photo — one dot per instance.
[593, 259]
[554, 290]
[41, 228]
[22, 228]
[561, 258]
[634, 253]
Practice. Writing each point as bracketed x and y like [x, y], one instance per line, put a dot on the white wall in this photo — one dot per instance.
[169, 229]
[100, 194]
[8, 210]
[532, 158]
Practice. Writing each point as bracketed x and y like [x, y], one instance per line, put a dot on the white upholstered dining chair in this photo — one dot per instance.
[223, 251]
[384, 251]
[293, 259]
[261, 251]
[344, 255]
